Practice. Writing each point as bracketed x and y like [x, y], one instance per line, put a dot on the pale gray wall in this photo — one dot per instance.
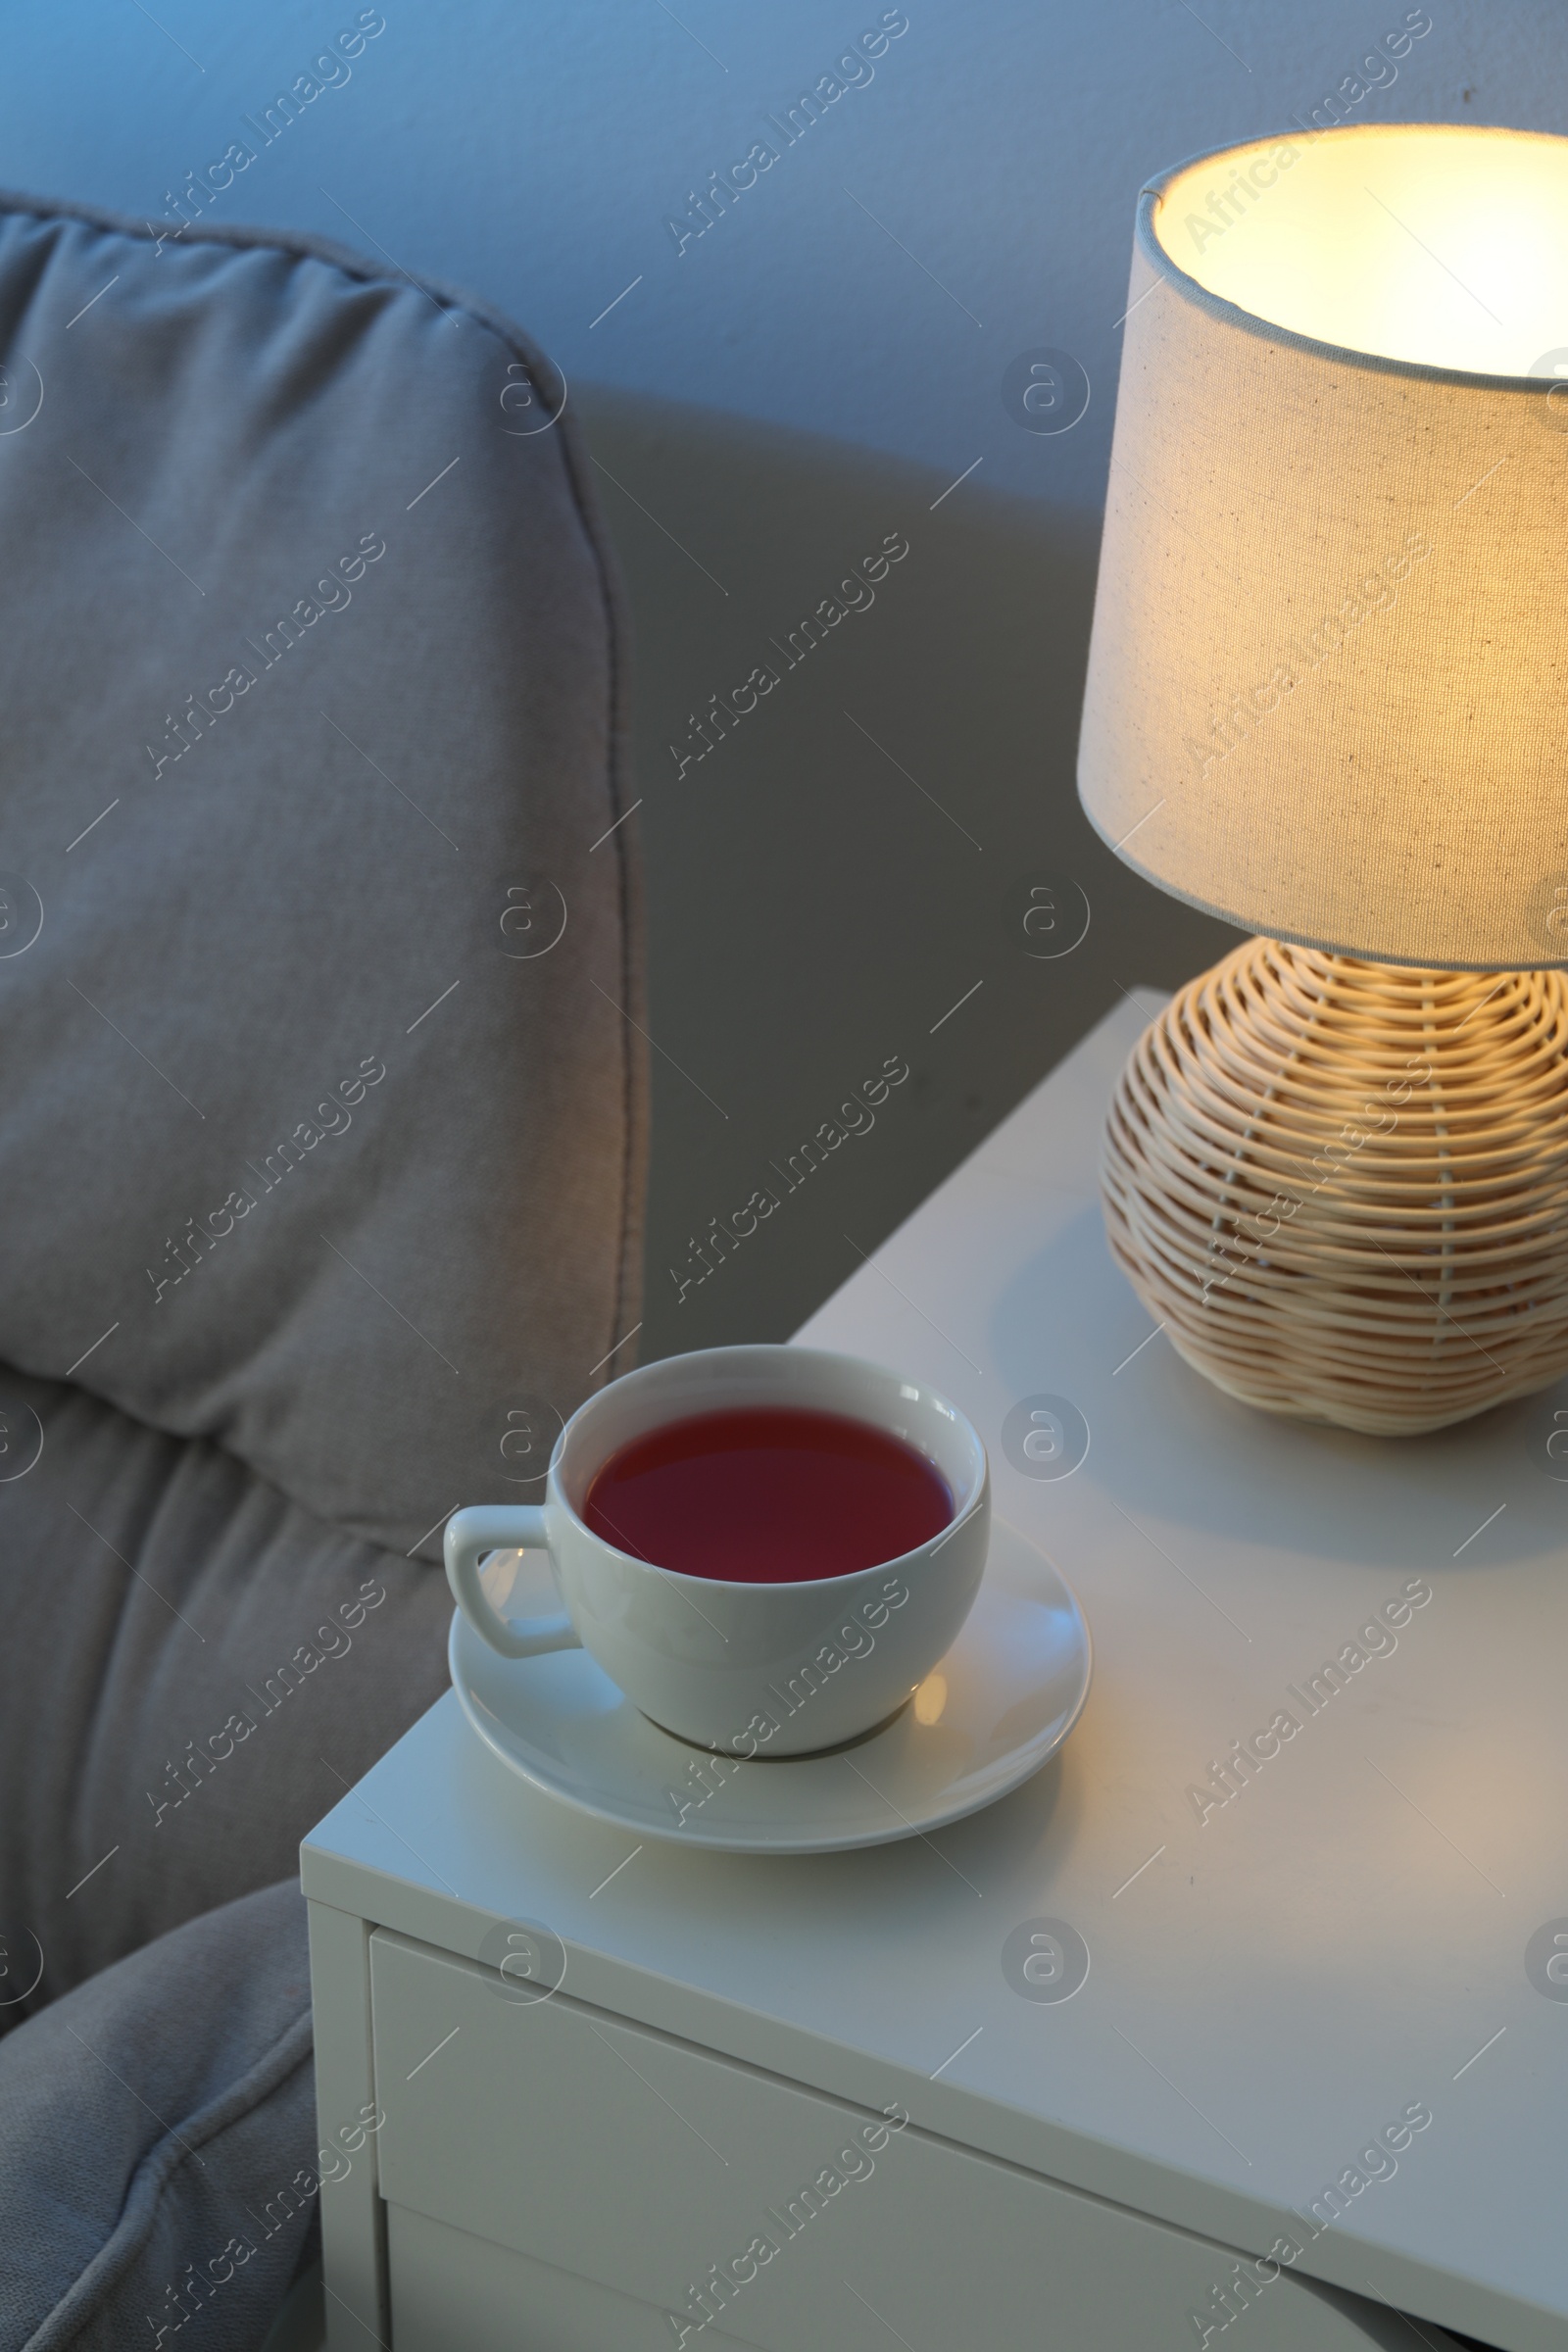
[769, 402]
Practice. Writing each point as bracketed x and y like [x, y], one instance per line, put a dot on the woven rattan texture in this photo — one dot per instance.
[1342, 1187]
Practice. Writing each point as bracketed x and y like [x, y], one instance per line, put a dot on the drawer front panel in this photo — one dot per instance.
[719, 2194]
[452, 2292]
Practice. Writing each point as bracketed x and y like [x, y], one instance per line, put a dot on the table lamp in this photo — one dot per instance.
[1328, 700]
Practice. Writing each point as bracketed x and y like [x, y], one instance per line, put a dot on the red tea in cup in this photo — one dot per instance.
[766, 1495]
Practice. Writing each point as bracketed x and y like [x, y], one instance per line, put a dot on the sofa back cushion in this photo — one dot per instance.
[319, 962]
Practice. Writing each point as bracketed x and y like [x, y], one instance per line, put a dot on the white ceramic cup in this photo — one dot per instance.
[745, 1669]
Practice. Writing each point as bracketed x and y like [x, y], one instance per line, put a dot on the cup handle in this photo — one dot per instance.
[500, 1527]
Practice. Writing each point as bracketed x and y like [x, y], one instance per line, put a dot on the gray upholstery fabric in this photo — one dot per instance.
[318, 1141]
[195, 1669]
[158, 2142]
[322, 1151]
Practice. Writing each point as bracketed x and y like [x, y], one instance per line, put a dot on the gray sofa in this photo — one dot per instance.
[322, 1157]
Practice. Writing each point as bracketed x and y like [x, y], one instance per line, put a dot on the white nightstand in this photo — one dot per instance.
[1359, 1933]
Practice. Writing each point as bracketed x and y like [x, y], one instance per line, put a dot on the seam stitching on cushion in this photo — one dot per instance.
[615, 757]
[153, 2175]
[300, 244]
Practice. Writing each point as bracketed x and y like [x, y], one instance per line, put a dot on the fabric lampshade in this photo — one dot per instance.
[1328, 682]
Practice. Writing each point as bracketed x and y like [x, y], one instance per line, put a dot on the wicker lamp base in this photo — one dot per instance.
[1342, 1187]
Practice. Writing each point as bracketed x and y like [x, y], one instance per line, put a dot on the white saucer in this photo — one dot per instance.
[1003, 1699]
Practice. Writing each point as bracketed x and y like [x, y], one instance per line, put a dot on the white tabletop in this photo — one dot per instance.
[1269, 1987]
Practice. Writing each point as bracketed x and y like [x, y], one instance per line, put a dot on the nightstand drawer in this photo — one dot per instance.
[708, 2190]
[454, 2292]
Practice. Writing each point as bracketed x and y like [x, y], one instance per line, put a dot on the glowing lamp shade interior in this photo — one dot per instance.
[1448, 248]
[1327, 680]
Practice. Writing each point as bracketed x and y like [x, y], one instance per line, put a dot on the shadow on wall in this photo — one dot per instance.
[856, 694]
